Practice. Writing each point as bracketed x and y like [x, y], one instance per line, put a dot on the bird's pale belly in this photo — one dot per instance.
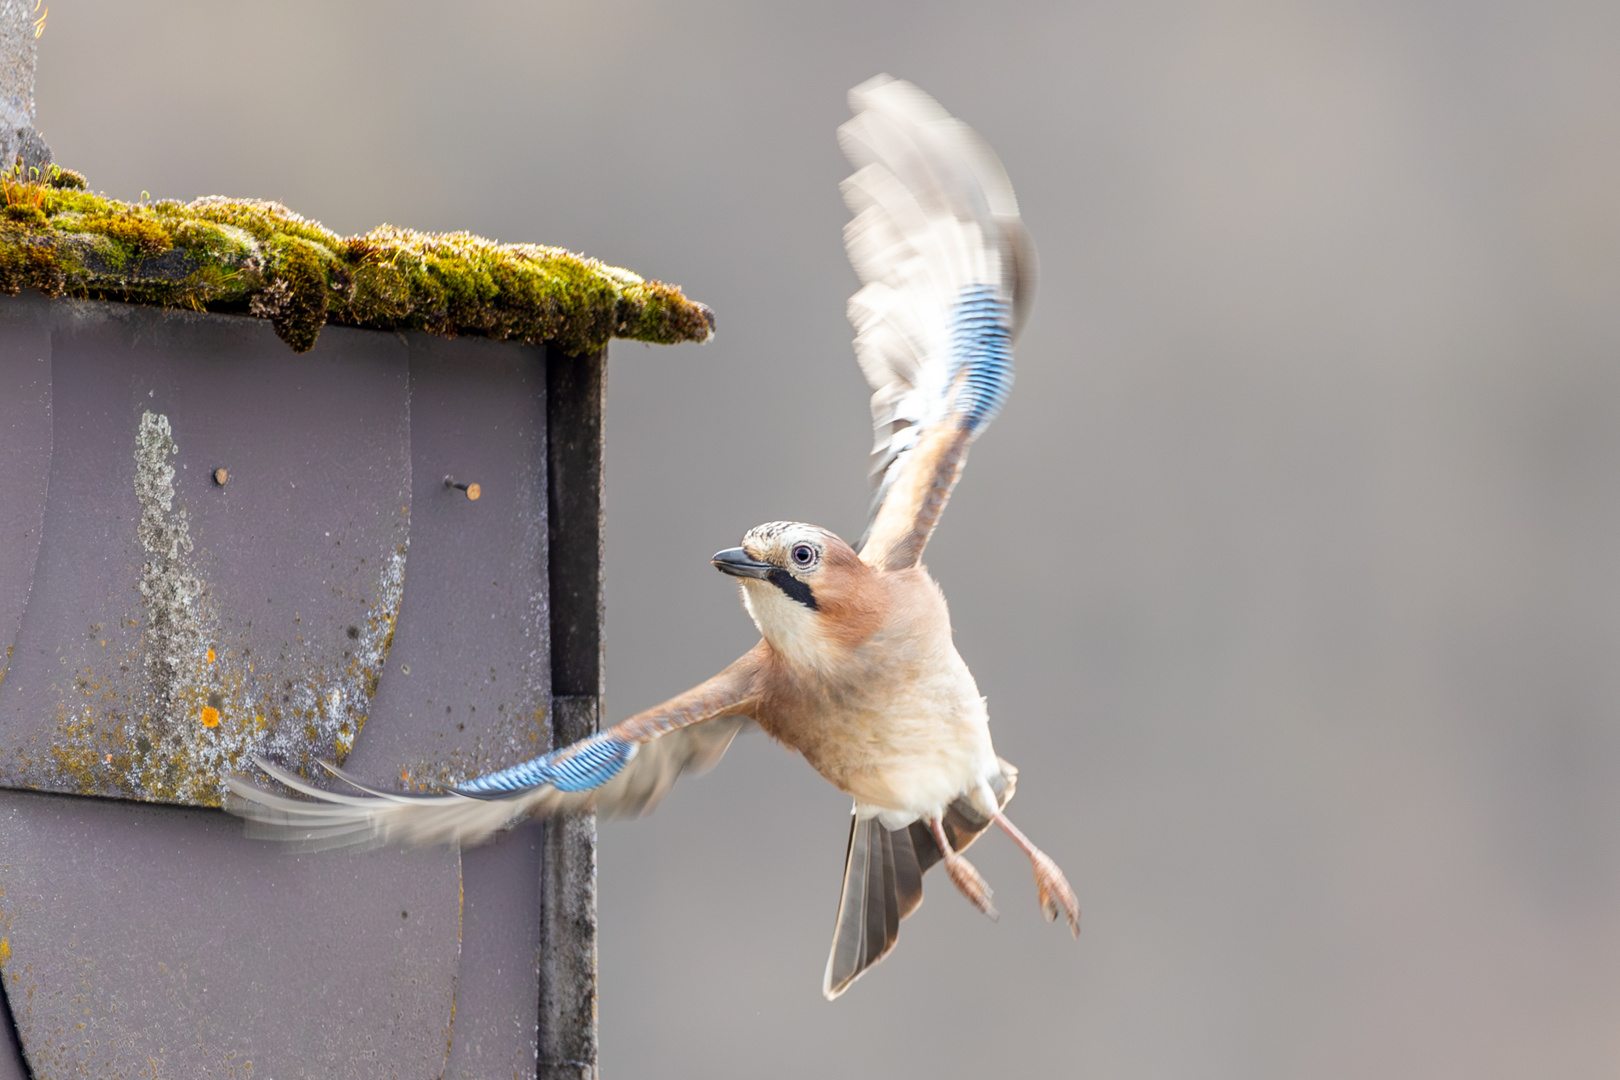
[902, 755]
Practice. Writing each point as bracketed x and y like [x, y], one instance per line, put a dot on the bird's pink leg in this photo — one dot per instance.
[1051, 887]
[967, 880]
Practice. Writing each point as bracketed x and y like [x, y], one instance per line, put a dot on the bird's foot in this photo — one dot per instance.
[1052, 889]
[968, 881]
[971, 884]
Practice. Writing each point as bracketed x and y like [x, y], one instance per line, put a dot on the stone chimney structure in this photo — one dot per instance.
[18, 50]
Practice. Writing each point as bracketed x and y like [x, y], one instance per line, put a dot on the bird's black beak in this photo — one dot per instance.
[736, 562]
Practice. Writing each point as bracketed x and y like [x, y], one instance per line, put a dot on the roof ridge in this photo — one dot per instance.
[257, 257]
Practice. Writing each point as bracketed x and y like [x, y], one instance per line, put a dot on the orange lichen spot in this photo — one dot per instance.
[5, 949]
[404, 776]
[210, 716]
[210, 656]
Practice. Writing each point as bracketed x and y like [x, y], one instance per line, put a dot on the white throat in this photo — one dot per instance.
[792, 630]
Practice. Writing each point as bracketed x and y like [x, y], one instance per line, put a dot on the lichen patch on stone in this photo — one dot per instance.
[202, 710]
[254, 257]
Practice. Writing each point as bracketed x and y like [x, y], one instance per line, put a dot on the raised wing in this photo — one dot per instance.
[947, 278]
[624, 770]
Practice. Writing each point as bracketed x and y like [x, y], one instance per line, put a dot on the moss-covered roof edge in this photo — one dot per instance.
[253, 257]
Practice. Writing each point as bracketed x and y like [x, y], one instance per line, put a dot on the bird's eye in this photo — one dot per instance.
[803, 554]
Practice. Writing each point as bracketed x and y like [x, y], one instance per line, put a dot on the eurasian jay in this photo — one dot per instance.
[856, 669]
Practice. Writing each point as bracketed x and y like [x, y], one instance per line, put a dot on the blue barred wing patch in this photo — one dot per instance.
[584, 765]
[981, 355]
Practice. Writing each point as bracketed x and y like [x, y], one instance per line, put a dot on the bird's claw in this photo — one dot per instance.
[1052, 889]
[971, 884]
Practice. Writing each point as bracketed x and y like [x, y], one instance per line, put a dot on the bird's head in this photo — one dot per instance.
[806, 590]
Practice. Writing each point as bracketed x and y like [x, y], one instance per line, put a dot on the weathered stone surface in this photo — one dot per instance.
[142, 940]
[25, 448]
[576, 391]
[176, 625]
[12, 1065]
[18, 54]
[496, 1033]
[468, 676]
[168, 624]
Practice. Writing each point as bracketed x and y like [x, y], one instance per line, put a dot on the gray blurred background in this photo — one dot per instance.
[1291, 571]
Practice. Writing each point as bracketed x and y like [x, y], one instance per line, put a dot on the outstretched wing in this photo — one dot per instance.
[947, 278]
[624, 770]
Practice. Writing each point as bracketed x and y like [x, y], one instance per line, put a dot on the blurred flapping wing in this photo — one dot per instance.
[947, 278]
[624, 770]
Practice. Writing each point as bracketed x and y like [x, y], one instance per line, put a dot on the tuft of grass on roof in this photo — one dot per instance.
[250, 256]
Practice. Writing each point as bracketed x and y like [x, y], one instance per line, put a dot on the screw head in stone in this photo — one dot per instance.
[472, 490]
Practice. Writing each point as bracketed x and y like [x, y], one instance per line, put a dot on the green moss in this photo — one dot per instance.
[65, 178]
[247, 256]
[298, 281]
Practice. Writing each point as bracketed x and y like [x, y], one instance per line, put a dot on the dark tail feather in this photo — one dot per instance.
[882, 885]
[908, 872]
[883, 874]
[882, 910]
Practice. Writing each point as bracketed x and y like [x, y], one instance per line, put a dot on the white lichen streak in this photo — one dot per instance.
[203, 707]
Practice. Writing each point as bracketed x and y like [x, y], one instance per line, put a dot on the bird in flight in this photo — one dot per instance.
[856, 669]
